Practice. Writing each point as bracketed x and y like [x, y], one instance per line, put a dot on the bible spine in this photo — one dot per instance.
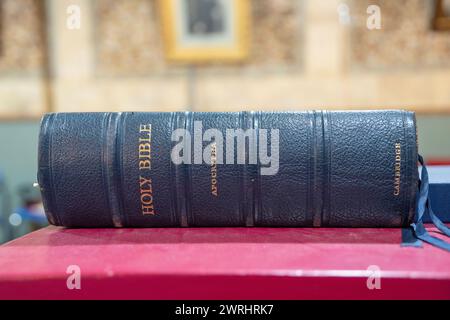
[291, 169]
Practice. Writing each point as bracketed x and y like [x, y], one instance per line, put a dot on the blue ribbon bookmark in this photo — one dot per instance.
[423, 207]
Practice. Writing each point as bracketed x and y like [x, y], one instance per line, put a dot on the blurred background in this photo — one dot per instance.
[212, 55]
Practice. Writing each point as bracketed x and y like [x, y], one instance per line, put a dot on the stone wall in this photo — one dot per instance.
[406, 41]
[20, 39]
[301, 57]
[128, 37]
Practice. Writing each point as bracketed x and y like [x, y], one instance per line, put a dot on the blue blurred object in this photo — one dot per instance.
[440, 201]
[439, 192]
[28, 217]
[6, 231]
[32, 214]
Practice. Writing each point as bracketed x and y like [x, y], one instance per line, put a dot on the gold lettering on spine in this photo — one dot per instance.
[145, 165]
[397, 169]
[214, 190]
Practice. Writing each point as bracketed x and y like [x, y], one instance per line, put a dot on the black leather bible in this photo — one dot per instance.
[277, 169]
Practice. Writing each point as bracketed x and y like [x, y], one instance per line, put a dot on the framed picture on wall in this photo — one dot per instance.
[201, 31]
[441, 19]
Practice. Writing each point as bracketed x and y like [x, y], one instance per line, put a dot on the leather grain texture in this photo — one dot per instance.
[336, 169]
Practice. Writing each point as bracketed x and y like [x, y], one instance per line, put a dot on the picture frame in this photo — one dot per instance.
[205, 31]
[441, 18]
